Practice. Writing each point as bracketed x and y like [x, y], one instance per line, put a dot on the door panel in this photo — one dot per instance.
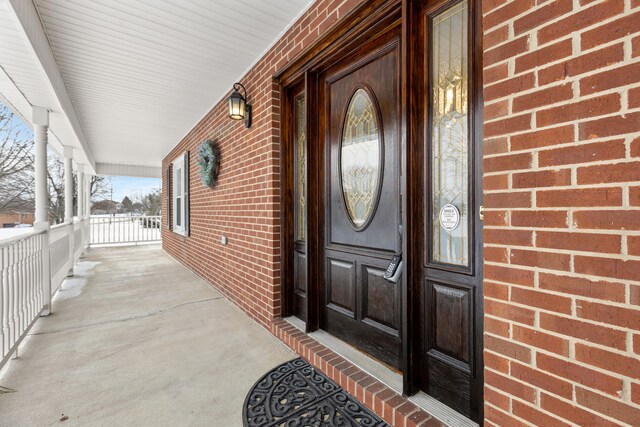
[450, 280]
[447, 358]
[300, 283]
[378, 292]
[368, 333]
[341, 286]
[362, 187]
[450, 325]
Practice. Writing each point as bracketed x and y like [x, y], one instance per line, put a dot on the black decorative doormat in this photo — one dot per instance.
[295, 394]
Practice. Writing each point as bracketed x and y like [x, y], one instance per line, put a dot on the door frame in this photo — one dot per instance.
[366, 21]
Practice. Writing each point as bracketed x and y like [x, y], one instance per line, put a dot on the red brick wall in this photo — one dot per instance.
[562, 228]
[245, 204]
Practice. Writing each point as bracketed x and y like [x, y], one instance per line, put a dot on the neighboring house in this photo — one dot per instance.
[496, 150]
[11, 219]
[103, 207]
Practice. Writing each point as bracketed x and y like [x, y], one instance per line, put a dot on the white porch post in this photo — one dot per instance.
[87, 225]
[68, 201]
[41, 223]
[80, 191]
[81, 204]
[88, 195]
[89, 213]
[41, 127]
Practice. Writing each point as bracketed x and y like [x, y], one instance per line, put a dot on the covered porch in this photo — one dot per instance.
[137, 339]
[95, 97]
[434, 203]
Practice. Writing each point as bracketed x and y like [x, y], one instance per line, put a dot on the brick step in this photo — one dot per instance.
[394, 408]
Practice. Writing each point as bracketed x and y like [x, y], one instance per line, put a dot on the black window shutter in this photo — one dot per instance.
[169, 185]
[187, 211]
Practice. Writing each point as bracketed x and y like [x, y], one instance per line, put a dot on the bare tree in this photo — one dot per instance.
[149, 204]
[16, 163]
[55, 180]
[17, 181]
[99, 188]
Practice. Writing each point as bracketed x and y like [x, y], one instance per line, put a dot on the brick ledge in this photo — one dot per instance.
[395, 409]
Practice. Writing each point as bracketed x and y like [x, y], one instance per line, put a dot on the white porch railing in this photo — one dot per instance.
[60, 253]
[33, 265]
[77, 237]
[106, 229]
[22, 297]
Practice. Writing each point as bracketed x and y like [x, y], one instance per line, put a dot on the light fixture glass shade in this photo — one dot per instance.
[236, 106]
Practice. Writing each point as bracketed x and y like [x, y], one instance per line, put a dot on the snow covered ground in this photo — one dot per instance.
[6, 233]
[124, 229]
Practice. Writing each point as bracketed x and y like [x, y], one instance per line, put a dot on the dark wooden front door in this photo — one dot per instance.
[362, 199]
[394, 136]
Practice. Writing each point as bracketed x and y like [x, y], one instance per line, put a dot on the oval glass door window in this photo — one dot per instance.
[360, 158]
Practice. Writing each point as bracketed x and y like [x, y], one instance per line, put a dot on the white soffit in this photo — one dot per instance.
[142, 73]
[129, 170]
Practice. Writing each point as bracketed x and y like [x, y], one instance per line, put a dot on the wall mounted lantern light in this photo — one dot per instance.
[238, 107]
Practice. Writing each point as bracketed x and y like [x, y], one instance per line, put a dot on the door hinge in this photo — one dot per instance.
[481, 213]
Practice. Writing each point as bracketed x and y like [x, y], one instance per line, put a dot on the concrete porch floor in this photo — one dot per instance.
[137, 339]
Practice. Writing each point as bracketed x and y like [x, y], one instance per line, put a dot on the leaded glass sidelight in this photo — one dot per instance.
[450, 135]
[301, 166]
[360, 157]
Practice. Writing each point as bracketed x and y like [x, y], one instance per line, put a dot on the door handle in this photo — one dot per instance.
[394, 270]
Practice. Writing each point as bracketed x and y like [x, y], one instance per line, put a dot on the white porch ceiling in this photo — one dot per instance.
[141, 73]
[24, 83]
